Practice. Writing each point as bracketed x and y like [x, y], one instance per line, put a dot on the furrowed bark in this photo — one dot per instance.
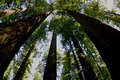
[86, 66]
[14, 35]
[50, 69]
[8, 12]
[106, 40]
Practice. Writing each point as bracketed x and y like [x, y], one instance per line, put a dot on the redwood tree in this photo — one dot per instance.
[50, 69]
[8, 12]
[23, 66]
[106, 40]
[86, 66]
[67, 68]
[68, 32]
[12, 37]
[76, 62]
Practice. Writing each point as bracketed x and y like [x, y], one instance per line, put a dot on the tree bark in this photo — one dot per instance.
[76, 62]
[14, 35]
[50, 69]
[88, 70]
[106, 40]
[23, 66]
[8, 12]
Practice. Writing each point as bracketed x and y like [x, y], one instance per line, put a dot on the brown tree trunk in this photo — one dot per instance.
[14, 35]
[88, 70]
[50, 69]
[23, 66]
[76, 62]
[7, 12]
[106, 40]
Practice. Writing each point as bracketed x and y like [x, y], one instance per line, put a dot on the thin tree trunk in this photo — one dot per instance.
[69, 66]
[95, 62]
[76, 62]
[106, 40]
[14, 35]
[111, 13]
[7, 12]
[89, 72]
[66, 75]
[23, 66]
[50, 69]
[98, 67]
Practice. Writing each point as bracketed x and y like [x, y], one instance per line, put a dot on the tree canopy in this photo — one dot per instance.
[24, 23]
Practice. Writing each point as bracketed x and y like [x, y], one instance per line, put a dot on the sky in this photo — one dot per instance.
[109, 4]
[45, 48]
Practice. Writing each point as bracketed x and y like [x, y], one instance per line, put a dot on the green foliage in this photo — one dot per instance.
[66, 26]
[41, 5]
[37, 76]
[8, 72]
[39, 68]
[39, 33]
[54, 23]
[117, 3]
[59, 58]
[92, 54]
[69, 70]
[66, 61]
[69, 5]
[98, 11]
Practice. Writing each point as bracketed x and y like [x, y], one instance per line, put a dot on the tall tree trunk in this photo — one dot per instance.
[89, 72]
[68, 55]
[23, 66]
[95, 62]
[77, 64]
[14, 35]
[106, 40]
[50, 69]
[99, 69]
[7, 12]
[68, 77]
